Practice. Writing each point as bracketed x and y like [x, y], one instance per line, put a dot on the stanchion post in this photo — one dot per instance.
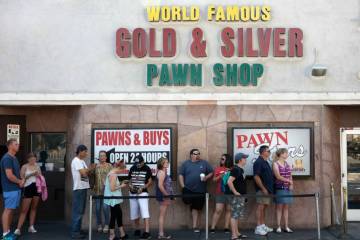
[207, 216]
[90, 216]
[344, 217]
[332, 203]
[317, 195]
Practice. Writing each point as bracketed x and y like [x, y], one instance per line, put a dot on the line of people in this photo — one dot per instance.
[26, 183]
[194, 174]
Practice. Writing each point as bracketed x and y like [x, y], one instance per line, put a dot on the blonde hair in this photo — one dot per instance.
[278, 153]
[161, 162]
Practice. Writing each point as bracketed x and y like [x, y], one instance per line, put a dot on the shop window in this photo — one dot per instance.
[50, 149]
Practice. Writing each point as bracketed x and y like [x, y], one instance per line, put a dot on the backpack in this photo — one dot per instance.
[224, 180]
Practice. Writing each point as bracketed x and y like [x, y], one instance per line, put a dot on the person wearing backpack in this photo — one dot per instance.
[221, 173]
[236, 188]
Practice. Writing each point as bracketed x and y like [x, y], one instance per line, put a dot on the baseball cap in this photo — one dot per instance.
[240, 156]
[139, 159]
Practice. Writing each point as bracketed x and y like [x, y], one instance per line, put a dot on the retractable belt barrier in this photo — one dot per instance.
[207, 197]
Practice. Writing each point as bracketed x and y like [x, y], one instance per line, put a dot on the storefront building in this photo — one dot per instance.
[218, 76]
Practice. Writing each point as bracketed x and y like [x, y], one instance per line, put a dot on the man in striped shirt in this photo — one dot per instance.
[140, 179]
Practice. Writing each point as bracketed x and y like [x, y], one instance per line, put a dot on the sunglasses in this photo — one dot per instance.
[196, 154]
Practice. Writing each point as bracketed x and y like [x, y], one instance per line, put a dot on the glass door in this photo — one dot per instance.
[350, 167]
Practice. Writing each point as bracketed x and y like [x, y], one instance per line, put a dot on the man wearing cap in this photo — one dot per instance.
[140, 179]
[264, 185]
[237, 187]
[80, 174]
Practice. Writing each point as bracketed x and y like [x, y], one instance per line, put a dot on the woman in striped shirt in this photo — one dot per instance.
[283, 186]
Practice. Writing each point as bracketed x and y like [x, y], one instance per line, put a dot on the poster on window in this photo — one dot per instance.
[296, 140]
[13, 132]
[126, 144]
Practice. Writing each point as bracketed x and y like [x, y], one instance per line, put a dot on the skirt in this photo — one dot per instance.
[283, 200]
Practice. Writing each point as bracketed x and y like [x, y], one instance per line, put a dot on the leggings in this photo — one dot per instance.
[116, 215]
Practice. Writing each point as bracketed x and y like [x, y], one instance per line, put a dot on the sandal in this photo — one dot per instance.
[124, 237]
[242, 236]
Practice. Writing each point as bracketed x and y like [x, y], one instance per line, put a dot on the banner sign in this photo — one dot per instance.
[296, 140]
[235, 43]
[126, 144]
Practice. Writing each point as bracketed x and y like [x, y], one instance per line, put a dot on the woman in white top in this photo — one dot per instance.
[29, 172]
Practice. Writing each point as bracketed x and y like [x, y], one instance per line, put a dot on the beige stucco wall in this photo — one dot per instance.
[205, 127]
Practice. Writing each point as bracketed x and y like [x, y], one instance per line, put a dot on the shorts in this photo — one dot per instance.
[237, 207]
[196, 202]
[283, 200]
[31, 191]
[12, 199]
[139, 207]
[224, 199]
[165, 202]
[263, 200]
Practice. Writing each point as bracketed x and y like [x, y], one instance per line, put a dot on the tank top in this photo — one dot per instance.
[31, 179]
[285, 171]
[109, 193]
[167, 186]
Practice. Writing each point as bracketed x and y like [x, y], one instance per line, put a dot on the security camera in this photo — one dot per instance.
[318, 70]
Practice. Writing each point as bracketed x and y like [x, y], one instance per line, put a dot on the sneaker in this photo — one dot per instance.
[100, 229]
[106, 229]
[267, 229]
[278, 230]
[137, 233]
[196, 230]
[259, 230]
[78, 236]
[288, 230]
[212, 230]
[32, 229]
[165, 236]
[17, 232]
[226, 230]
[9, 236]
[145, 235]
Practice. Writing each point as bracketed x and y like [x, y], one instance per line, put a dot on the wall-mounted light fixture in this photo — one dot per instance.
[318, 70]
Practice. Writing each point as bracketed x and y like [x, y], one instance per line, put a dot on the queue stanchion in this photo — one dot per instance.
[207, 216]
[90, 216]
[344, 217]
[317, 195]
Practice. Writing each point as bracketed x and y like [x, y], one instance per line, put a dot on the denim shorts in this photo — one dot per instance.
[283, 200]
[223, 198]
[12, 199]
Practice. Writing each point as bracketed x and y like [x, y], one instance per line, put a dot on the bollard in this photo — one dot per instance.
[90, 216]
[318, 215]
[344, 217]
[207, 216]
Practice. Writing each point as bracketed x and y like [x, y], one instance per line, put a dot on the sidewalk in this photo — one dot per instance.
[59, 231]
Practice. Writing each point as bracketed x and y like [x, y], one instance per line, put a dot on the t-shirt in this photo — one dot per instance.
[240, 180]
[139, 177]
[9, 162]
[218, 171]
[79, 182]
[263, 170]
[191, 172]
